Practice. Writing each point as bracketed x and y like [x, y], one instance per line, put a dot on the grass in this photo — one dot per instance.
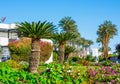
[83, 69]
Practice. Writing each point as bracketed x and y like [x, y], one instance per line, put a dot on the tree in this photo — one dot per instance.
[68, 50]
[105, 32]
[61, 38]
[36, 31]
[67, 24]
[101, 49]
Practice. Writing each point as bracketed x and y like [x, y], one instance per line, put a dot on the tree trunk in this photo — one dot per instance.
[105, 47]
[106, 51]
[61, 52]
[34, 56]
[66, 57]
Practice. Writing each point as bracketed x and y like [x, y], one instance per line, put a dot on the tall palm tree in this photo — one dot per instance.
[36, 31]
[105, 32]
[62, 37]
[68, 24]
[82, 42]
[89, 43]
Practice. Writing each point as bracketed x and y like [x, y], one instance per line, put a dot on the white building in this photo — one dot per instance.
[6, 34]
[95, 52]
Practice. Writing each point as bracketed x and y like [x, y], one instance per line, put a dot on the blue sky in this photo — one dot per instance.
[88, 14]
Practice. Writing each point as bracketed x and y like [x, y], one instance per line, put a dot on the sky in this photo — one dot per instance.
[88, 14]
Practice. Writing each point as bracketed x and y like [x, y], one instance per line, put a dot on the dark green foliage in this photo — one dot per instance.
[73, 60]
[36, 30]
[55, 57]
[90, 58]
[101, 58]
[68, 50]
[106, 63]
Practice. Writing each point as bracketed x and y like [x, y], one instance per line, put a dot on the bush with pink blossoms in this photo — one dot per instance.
[103, 75]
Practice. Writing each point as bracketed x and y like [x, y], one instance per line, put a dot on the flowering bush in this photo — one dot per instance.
[105, 75]
[46, 49]
[21, 49]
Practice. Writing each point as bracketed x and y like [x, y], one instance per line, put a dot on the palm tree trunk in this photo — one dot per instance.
[106, 51]
[105, 48]
[61, 52]
[34, 56]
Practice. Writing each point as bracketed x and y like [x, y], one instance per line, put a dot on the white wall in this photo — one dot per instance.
[95, 52]
[7, 26]
[3, 41]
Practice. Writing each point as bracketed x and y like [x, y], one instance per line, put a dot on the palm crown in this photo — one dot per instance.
[36, 30]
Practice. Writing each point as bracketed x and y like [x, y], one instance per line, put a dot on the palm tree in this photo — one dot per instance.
[101, 49]
[81, 42]
[89, 43]
[62, 37]
[105, 32]
[68, 50]
[35, 31]
[67, 24]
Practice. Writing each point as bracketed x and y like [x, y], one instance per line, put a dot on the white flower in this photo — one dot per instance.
[68, 71]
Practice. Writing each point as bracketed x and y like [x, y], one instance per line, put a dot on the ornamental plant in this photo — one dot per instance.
[104, 75]
[53, 74]
[20, 49]
[46, 49]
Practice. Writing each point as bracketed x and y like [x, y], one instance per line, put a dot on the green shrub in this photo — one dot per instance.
[90, 58]
[101, 58]
[13, 64]
[24, 65]
[73, 60]
[54, 74]
[55, 57]
[106, 63]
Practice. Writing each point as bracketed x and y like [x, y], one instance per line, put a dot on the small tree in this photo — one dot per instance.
[35, 31]
[68, 50]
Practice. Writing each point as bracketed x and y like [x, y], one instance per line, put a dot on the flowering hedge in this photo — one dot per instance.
[104, 75]
[20, 49]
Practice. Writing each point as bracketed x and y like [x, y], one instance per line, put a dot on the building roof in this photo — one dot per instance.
[7, 27]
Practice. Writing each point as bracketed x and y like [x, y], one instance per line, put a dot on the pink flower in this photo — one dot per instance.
[106, 75]
[118, 68]
[109, 69]
[92, 72]
[113, 81]
[109, 83]
[113, 72]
